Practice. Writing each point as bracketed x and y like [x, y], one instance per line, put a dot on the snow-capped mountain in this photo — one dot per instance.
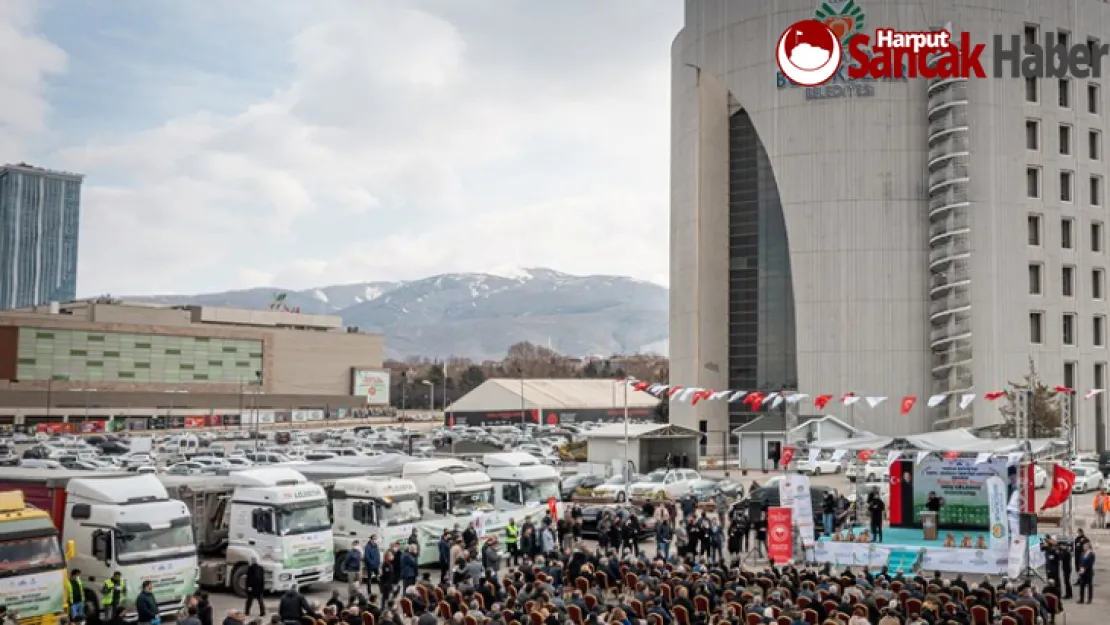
[478, 316]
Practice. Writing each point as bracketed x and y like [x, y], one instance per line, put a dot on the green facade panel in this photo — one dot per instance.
[78, 355]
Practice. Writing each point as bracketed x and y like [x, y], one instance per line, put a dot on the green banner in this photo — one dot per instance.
[34, 595]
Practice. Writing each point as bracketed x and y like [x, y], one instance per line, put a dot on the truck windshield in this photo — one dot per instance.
[465, 503]
[30, 555]
[140, 545]
[405, 511]
[302, 519]
[541, 491]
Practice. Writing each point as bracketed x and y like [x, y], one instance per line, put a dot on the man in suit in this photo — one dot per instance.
[1086, 573]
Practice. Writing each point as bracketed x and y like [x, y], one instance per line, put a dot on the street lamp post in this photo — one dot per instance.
[431, 394]
[626, 471]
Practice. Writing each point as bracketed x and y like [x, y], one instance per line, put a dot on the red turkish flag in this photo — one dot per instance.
[755, 400]
[641, 386]
[951, 455]
[1062, 482]
[865, 455]
[907, 404]
[992, 396]
[674, 391]
[787, 456]
[1063, 389]
[700, 395]
[821, 401]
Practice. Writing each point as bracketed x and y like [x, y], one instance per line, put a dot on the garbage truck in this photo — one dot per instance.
[273, 515]
[115, 521]
[386, 507]
[520, 480]
[32, 571]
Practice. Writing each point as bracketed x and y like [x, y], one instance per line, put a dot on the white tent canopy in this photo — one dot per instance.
[961, 440]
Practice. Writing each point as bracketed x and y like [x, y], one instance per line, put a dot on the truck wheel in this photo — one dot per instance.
[340, 560]
[239, 580]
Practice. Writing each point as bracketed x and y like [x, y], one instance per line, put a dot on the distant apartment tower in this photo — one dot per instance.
[39, 224]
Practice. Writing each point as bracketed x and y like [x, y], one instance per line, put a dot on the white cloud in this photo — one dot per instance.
[808, 57]
[404, 142]
[27, 59]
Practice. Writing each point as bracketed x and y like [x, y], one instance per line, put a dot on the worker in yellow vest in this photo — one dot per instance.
[1102, 507]
[113, 596]
[75, 596]
[512, 540]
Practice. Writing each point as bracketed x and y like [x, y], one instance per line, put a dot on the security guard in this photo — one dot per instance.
[1065, 561]
[75, 596]
[1052, 561]
[113, 596]
[512, 536]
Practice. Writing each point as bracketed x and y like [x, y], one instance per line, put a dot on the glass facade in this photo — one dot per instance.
[762, 341]
[79, 355]
[39, 224]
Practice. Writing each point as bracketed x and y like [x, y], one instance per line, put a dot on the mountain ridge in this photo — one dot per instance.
[479, 315]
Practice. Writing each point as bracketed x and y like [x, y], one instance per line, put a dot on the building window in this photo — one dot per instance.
[1093, 99]
[1030, 34]
[1095, 191]
[1063, 37]
[1031, 90]
[1065, 140]
[1096, 237]
[1033, 182]
[1094, 145]
[1032, 134]
[1069, 329]
[1098, 325]
[1067, 279]
[1097, 283]
[1092, 47]
[1035, 279]
[1034, 226]
[1065, 186]
[1069, 374]
[1064, 89]
[1036, 327]
[1066, 241]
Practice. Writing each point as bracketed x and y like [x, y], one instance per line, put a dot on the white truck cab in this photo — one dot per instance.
[272, 515]
[450, 487]
[387, 507]
[130, 524]
[519, 480]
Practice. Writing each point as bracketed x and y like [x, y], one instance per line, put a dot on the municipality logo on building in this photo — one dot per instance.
[828, 53]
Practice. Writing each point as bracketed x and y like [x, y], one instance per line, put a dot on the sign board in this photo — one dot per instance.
[780, 535]
[373, 384]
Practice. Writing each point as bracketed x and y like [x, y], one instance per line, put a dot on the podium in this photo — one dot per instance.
[929, 525]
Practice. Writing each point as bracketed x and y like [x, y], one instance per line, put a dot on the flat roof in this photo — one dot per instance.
[641, 430]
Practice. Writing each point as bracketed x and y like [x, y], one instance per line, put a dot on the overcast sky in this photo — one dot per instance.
[296, 144]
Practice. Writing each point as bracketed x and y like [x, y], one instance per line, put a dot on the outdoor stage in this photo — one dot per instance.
[903, 548]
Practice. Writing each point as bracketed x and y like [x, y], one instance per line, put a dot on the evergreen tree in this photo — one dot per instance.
[1044, 409]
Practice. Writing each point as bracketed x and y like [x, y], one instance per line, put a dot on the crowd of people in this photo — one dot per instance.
[694, 576]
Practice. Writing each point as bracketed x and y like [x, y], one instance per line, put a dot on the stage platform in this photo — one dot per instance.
[906, 548]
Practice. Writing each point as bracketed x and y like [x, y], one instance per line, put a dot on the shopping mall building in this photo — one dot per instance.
[86, 363]
[887, 238]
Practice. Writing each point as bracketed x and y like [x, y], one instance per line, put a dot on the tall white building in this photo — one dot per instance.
[885, 238]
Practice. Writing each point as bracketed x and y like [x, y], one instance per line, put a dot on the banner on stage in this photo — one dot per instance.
[1017, 557]
[962, 483]
[996, 497]
[780, 535]
[803, 509]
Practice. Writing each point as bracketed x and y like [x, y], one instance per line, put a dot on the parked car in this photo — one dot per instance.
[572, 483]
[1087, 479]
[818, 467]
[614, 486]
[592, 514]
[871, 471]
[674, 482]
[8, 457]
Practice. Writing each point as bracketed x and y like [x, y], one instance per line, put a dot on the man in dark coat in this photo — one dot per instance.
[256, 587]
[444, 556]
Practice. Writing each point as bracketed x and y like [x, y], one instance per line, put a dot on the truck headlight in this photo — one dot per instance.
[285, 577]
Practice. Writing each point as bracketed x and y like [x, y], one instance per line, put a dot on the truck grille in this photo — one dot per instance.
[309, 578]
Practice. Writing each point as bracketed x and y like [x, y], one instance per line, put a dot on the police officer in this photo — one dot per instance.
[113, 596]
[1065, 564]
[1052, 562]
